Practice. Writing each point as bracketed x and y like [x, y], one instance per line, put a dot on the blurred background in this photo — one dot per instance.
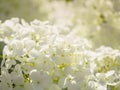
[96, 20]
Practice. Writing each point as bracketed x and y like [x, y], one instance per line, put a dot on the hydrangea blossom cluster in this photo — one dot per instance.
[105, 69]
[39, 56]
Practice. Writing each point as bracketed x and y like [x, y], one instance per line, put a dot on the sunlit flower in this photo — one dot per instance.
[39, 56]
[40, 80]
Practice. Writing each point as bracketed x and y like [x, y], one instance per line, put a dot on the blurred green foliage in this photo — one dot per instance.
[26, 9]
[2, 44]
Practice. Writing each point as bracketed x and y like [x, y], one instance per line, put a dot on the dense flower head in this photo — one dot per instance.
[73, 50]
[105, 68]
[39, 56]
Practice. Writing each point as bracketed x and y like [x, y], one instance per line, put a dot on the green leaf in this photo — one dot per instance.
[110, 87]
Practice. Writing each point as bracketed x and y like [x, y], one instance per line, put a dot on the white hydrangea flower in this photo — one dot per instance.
[17, 47]
[39, 57]
[29, 43]
[40, 79]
